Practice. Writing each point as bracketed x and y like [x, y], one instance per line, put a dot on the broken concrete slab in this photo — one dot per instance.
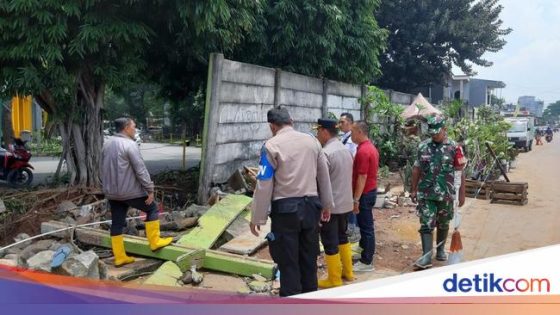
[34, 248]
[237, 181]
[13, 250]
[8, 262]
[83, 265]
[196, 210]
[41, 261]
[138, 268]
[247, 243]
[259, 277]
[209, 259]
[168, 274]
[259, 286]
[214, 222]
[184, 257]
[91, 261]
[197, 277]
[238, 227]
[179, 224]
[66, 206]
[69, 220]
[21, 237]
[187, 277]
[85, 210]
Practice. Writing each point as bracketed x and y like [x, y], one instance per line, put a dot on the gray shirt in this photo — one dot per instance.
[292, 165]
[123, 173]
[340, 162]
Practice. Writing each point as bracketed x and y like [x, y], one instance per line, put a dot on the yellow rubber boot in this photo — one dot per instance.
[345, 251]
[334, 270]
[152, 233]
[117, 243]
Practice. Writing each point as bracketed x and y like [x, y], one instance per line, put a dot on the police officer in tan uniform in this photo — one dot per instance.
[338, 251]
[292, 172]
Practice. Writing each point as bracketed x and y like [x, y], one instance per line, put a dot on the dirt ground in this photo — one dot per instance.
[487, 229]
[494, 229]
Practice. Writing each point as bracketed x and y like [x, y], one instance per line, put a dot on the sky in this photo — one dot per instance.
[529, 63]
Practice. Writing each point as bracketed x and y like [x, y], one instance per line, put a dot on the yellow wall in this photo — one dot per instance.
[22, 117]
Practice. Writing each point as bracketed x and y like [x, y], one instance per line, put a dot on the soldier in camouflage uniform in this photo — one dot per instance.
[433, 187]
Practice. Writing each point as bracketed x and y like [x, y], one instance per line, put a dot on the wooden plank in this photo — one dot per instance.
[184, 257]
[510, 187]
[246, 243]
[168, 274]
[239, 265]
[214, 222]
[132, 271]
[510, 202]
[509, 196]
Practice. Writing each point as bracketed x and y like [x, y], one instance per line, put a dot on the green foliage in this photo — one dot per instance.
[46, 46]
[138, 101]
[489, 126]
[46, 147]
[552, 113]
[187, 32]
[337, 39]
[428, 37]
[453, 109]
[384, 120]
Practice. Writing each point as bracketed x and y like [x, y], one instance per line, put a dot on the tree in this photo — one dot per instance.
[552, 112]
[335, 39]
[497, 102]
[65, 55]
[427, 37]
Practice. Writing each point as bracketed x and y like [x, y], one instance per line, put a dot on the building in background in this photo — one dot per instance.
[27, 115]
[473, 92]
[532, 105]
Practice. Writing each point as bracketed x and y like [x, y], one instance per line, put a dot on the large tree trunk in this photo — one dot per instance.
[81, 132]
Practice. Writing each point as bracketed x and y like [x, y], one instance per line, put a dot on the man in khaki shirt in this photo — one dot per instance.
[292, 171]
[338, 251]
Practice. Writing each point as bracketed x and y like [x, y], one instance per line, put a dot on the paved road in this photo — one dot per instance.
[158, 157]
[495, 229]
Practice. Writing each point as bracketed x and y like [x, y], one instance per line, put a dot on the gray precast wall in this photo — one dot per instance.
[239, 95]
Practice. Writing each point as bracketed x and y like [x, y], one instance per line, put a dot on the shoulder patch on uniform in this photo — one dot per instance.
[266, 170]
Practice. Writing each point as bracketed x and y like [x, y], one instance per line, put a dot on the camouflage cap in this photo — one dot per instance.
[435, 123]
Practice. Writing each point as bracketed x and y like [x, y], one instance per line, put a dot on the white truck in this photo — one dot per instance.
[522, 132]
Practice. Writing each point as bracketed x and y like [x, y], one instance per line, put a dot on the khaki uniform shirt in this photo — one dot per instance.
[292, 165]
[339, 160]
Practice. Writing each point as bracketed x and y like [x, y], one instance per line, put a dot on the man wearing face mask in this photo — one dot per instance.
[293, 184]
[433, 188]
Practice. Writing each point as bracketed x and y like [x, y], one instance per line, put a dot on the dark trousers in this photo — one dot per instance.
[367, 230]
[294, 243]
[333, 233]
[119, 208]
[352, 218]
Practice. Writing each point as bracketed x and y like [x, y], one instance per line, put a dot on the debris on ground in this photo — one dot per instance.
[212, 242]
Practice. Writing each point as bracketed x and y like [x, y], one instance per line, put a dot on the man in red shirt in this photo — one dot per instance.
[364, 184]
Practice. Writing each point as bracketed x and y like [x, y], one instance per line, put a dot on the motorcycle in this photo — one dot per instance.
[548, 137]
[14, 165]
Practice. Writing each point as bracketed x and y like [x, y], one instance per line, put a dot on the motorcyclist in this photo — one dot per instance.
[549, 131]
[2, 158]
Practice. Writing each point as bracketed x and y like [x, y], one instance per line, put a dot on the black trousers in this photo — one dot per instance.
[294, 243]
[119, 208]
[333, 233]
